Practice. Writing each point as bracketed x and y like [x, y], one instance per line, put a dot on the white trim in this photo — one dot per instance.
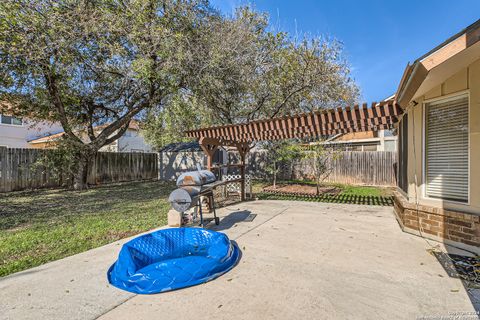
[445, 98]
[389, 138]
[11, 125]
[450, 96]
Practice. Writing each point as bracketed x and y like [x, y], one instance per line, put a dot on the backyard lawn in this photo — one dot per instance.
[46, 225]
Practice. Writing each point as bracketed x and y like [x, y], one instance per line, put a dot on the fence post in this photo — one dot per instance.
[160, 165]
[3, 169]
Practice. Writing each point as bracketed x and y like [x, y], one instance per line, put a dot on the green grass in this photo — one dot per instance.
[46, 225]
[365, 191]
[349, 194]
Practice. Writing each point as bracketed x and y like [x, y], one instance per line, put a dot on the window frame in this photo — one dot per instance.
[452, 96]
[11, 124]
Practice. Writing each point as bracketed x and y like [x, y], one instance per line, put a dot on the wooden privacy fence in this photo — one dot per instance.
[376, 168]
[350, 167]
[365, 167]
[18, 172]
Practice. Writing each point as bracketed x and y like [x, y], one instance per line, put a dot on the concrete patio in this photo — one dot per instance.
[300, 260]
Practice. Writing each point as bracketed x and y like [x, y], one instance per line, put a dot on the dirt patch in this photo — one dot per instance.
[302, 189]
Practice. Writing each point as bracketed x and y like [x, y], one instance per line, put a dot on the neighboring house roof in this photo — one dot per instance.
[439, 64]
[358, 137]
[134, 125]
[5, 105]
[48, 138]
[181, 146]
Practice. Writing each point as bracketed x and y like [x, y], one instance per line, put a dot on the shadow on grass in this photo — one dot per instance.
[339, 198]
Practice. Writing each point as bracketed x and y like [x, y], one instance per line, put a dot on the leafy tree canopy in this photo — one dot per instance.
[90, 62]
[250, 71]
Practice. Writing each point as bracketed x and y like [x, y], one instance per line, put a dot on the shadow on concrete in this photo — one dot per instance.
[231, 220]
[465, 266]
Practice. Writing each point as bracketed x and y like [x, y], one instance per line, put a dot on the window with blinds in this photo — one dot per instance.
[446, 149]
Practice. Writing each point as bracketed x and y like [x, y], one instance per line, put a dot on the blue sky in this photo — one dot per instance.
[379, 37]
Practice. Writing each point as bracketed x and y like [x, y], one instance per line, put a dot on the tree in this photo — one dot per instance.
[323, 159]
[95, 62]
[257, 73]
[247, 71]
[278, 153]
[166, 125]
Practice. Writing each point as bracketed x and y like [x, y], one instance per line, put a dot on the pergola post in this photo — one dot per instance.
[242, 150]
[209, 146]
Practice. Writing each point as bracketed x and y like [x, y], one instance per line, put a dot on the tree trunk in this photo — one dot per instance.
[291, 170]
[84, 160]
[274, 175]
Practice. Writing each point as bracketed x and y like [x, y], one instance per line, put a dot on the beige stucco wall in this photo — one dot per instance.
[356, 135]
[467, 79]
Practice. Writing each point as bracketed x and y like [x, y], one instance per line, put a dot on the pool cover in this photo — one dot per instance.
[171, 259]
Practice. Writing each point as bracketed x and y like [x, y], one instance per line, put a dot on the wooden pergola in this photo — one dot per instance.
[315, 124]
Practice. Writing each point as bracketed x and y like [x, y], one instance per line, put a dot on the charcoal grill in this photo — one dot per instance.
[191, 186]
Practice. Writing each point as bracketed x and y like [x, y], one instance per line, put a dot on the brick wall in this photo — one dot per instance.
[454, 226]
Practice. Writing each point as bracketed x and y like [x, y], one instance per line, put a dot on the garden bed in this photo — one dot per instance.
[334, 193]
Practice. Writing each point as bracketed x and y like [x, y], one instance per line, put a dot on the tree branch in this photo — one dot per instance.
[57, 102]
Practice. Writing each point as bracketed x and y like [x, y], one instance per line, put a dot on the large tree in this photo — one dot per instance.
[86, 63]
[255, 72]
[248, 71]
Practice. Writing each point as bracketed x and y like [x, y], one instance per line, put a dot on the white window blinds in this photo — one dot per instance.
[446, 149]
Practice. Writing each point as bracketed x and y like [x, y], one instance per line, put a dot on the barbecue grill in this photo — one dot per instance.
[191, 186]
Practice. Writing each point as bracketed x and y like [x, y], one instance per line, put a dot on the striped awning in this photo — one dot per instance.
[324, 123]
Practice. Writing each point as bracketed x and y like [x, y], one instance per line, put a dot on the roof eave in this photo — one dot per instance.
[415, 74]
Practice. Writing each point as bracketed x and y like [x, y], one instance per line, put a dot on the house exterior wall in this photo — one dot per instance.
[448, 221]
[14, 136]
[365, 141]
[356, 135]
[112, 147]
[466, 80]
[452, 227]
[133, 141]
[172, 164]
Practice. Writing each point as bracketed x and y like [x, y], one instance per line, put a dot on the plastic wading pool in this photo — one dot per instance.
[171, 259]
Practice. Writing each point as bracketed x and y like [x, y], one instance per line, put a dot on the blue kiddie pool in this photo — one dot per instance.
[171, 259]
